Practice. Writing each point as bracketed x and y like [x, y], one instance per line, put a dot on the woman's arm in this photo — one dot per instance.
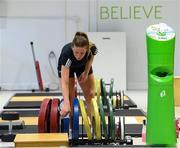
[83, 77]
[88, 64]
[93, 51]
[65, 90]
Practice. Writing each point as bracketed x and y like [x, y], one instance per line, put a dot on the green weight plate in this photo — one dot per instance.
[102, 114]
[111, 120]
[111, 88]
[104, 94]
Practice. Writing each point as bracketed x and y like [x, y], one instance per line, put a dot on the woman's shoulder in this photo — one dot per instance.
[67, 46]
[67, 49]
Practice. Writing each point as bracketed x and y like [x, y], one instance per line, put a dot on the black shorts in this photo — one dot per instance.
[78, 71]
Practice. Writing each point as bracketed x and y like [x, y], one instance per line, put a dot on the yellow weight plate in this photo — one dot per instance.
[114, 101]
[32, 98]
[98, 88]
[97, 119]
[80, 120]
[85, 119]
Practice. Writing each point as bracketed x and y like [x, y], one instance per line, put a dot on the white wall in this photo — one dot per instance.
[52, 23]
[0, 54]
[110, 62]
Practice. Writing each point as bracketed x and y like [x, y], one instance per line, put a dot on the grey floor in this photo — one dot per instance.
[139, 97]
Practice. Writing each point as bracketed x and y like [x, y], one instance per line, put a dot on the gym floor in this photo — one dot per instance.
[139, 97]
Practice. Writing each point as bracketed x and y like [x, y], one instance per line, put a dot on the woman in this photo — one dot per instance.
[77, 58]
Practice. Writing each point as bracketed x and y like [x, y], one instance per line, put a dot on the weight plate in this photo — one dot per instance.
[44, 114]
[97, 119]
[111, 88]
[75, 130]
[85, 119]
[98, 87]
[111, 120]
[54, 116]
[102, 114]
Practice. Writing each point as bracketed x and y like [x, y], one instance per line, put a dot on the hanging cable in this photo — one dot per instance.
[52, 56]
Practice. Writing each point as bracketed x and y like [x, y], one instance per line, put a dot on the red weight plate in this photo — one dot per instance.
[54, 116]
[43, 118]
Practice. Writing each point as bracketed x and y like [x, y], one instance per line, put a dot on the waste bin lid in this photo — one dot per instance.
[160, 32]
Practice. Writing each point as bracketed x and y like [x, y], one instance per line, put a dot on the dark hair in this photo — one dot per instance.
[80, 40]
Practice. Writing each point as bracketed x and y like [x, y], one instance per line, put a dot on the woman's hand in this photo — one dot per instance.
[83, 77]
[65, 110]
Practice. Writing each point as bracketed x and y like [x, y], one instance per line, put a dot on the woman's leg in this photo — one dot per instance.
[88, 88]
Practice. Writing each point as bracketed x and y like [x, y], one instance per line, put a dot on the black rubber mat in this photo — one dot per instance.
[129, 112]
[36, 104]
[22, 105]
[112, 145]
[6, 127]
[26, 129]
[129, 104]
[133, 130]
[26, 113]
[125, 112]
[38, 94]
